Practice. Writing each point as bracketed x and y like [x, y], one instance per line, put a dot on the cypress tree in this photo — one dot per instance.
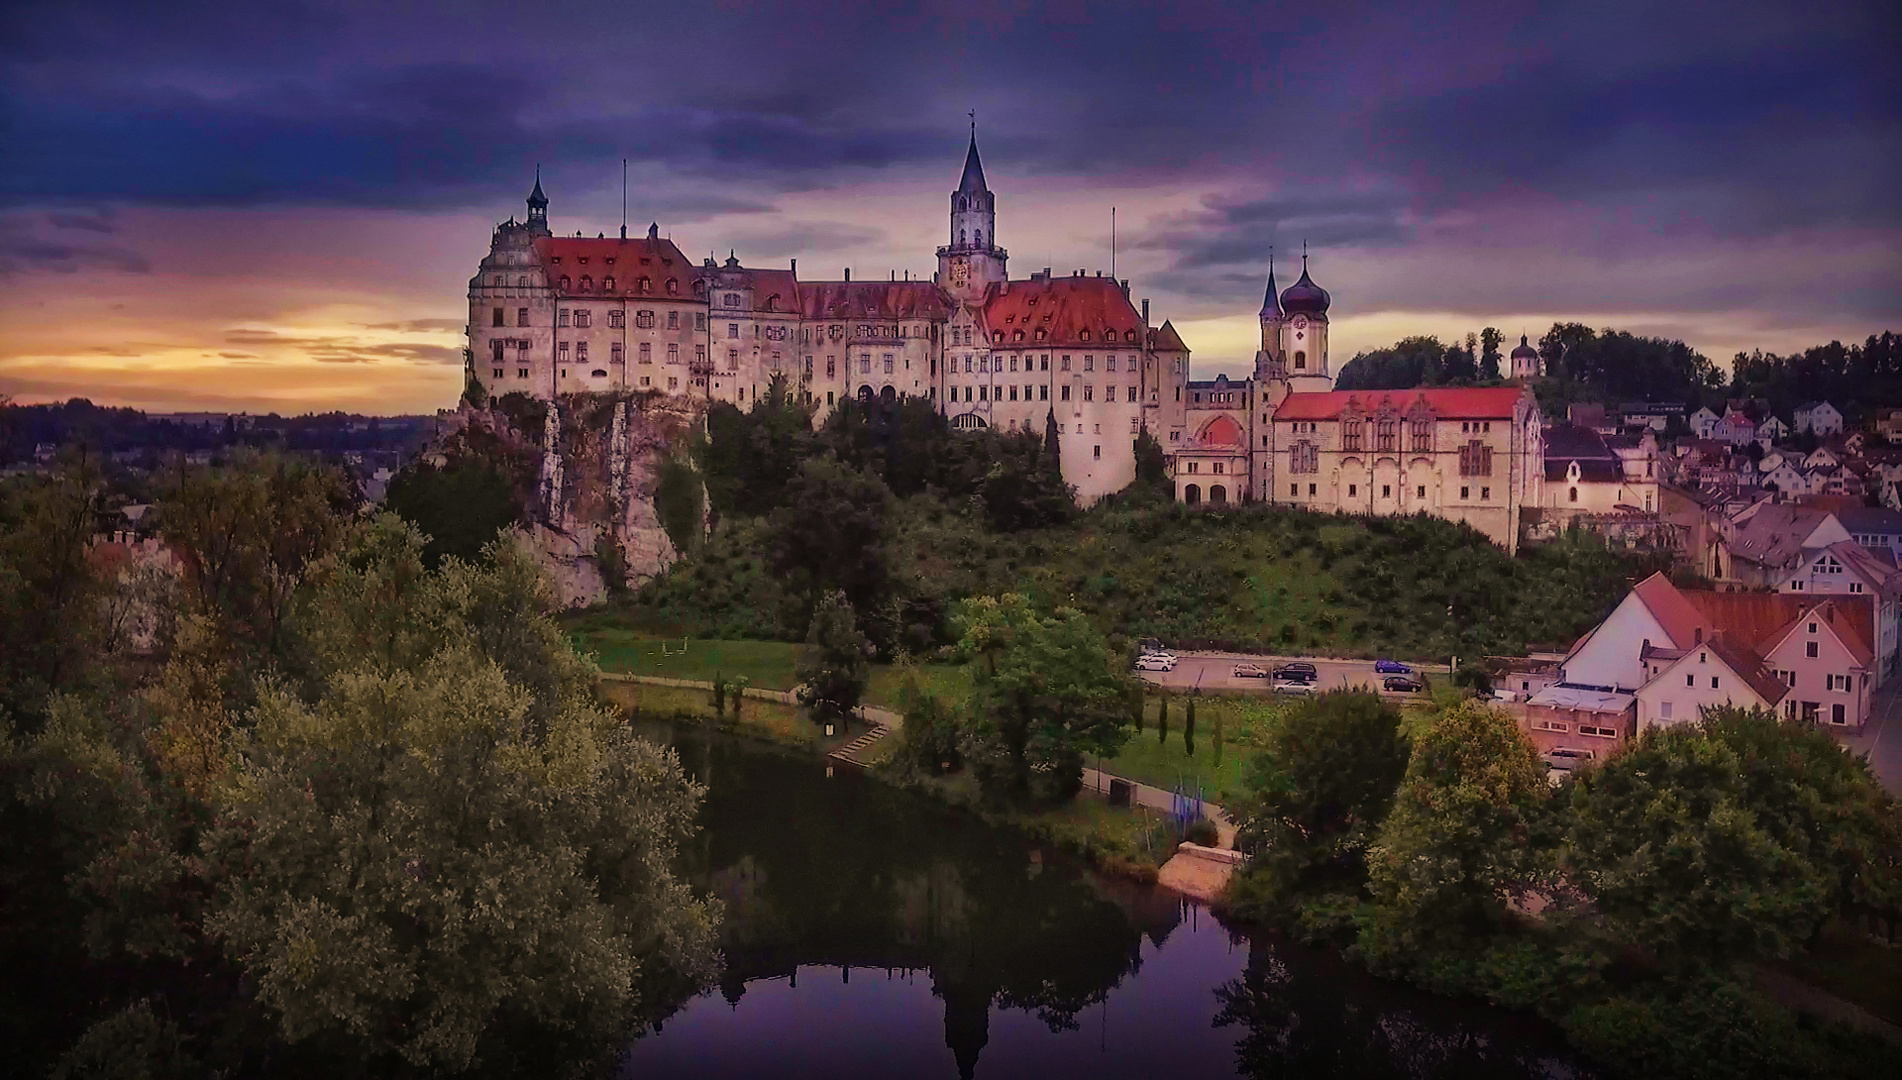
[1162, 719]
[1218, 738]
[1188, 727]
[719, 696]
[1136, 695]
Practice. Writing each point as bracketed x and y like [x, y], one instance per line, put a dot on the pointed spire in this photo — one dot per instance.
[973, 179]
[1271, 303]
[536, 200]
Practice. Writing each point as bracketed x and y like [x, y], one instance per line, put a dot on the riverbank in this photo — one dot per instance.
[1131, 842]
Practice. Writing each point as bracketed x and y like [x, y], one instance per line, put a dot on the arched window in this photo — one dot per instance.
[1300, 360]
[1218, 494]
[1572, 496]
[978, 238]
[865, 393]
[1192, 494]
[960, 203]
[960, 236]
[598, 373]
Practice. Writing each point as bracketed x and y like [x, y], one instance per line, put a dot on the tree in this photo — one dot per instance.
[460, 506]
[1152, 465]
[1732, 838]
[1454, 848]
[750, 458]
[831, 532]
[50, 589]
[1188, 726]
[1320, 789]
[1162, 718]
[1048, 691]
[834, 666]
[1490, 339]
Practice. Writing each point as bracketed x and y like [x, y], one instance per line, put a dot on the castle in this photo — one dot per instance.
[556, 315]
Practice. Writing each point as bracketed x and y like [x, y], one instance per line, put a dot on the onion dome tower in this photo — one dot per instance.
[1525, 360]
[1303, 333]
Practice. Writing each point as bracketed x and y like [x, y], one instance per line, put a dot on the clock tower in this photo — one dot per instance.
[972, 261]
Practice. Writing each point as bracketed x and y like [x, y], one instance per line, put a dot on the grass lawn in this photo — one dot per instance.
[764, 719]
[1166, 763]
[766, 665]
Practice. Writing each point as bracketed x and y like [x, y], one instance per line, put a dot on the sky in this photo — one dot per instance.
[278, 207]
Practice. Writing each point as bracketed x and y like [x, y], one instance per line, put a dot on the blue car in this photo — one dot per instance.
[1392, 667]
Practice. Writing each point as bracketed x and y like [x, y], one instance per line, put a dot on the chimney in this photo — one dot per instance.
[1145, 309]
[795, 268]
[1125, 286]
[848, 273]
[1046, 273]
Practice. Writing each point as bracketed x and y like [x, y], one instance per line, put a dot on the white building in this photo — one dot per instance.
[1818, 417]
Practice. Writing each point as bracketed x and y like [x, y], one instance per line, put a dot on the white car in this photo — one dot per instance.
[1155, 662]
[1293, 686]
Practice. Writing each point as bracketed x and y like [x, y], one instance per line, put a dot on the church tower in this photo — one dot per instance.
[538, 207]
[1302, 333]
[972, 261]
[1271, 374]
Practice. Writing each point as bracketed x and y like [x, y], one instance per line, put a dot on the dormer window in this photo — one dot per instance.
[609, 260]
[586, 282]
[582, 259]
[608, 284]
[1086, 335]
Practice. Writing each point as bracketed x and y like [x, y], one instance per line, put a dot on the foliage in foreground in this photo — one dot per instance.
[1663, 875]
[351, 813]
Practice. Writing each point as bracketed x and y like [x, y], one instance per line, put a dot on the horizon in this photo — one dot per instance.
[279, 211]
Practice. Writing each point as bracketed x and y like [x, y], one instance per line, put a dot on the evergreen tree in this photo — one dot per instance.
[1188, 726]
[834, 666]
[1162, 718]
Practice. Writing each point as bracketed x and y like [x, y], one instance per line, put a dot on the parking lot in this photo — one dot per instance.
[1213, 673]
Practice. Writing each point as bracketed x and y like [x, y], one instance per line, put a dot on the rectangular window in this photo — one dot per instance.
[1089, 392]
[1809, 649]
[647, 353]
[1419, 492]
[673, 320]
[1109, 363]
[1386, 435]
[521, 316]
[732, 331]
[1690, 680]
[1386, 491]
[1043, 393]
[1476, 459]
[1066, 361]
[617, 319]
[1066, 391]
[1664, 710]
[1294, 491]
[865, 364]
[888, 363]
[1353, 490]
[1132, 398]
[1485, 493]
[1089, 362]
[521, 373]
[733, 359]
[1311, 489]
[498, 372]
[644, 319]
[673, 353]
[1350, 433]
[981, 392]
[700, 354]
[1097, 453]
[1422, 436]
[496, 346]
[699, 320]
[1466, 493]
[673, 383]
[614, 352]
[1599, 732]
[1013, 391]
[561, 317]
[498, 318]
[582, 315]
[832, 368]
[563, 350]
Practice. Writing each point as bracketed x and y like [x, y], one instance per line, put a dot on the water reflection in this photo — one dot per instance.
[874, 933]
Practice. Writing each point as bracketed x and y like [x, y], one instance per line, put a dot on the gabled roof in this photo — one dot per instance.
[1567, 443]
[1064, 309]
[663, 261]
[1678, 616]
[1490, 403]
[1748, 668]
[1755, 619]
[1870, 519]
[1808, 405]
[844, 300]
[1774, 534]
[1839, 619]
[1881, 577]
[1165, 339]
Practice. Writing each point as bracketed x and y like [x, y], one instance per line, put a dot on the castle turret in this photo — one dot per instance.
[972, 261]
[1302, 334]
[538, 206]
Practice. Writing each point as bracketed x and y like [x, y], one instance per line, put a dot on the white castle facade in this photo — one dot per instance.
[554, 315]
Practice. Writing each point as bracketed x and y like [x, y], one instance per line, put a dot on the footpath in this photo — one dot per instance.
[1196, 871]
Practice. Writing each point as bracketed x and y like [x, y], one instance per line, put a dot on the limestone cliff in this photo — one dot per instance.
[587, 467]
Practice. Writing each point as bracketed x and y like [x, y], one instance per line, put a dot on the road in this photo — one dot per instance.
[1213, 672]
[1881, 738]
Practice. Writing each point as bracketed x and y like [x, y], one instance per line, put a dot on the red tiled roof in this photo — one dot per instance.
[1846, 628]
[873, 300]
[1674, 613]
[664, 261]
[1491, 403]
[1752, 619]
[773, 290]
[1749, 668]
[1064, 309]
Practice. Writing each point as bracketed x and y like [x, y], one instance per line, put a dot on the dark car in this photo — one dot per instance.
[1391, 667]
[1565, 759]
[1297, 670]
[1404, 684]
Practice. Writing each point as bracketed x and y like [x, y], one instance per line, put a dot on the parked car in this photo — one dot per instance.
[1150, 645]
[1294, 686]
[1404, 684]
[1505, 695]
[1155, 662]
[1297, 669]
[1250, 671]
[1565, 759]
[1391, 667]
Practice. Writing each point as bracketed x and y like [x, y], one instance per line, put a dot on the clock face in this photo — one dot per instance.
[1300, 322]
[960, 271]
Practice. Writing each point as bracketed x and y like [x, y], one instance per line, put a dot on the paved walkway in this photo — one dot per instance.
[1881, 738]
[1157, 799]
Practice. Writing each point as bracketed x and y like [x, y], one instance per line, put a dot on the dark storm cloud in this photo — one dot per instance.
[24, 250]
[1226, 233]
[337, 349]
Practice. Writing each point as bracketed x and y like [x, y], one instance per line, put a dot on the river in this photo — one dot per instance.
[871, 932]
